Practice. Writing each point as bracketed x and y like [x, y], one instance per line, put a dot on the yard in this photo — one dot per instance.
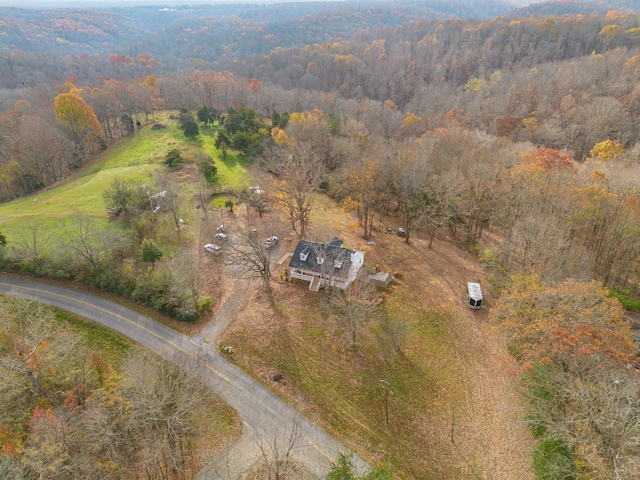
[453, 401]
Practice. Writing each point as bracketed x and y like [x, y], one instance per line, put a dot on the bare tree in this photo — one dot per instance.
[41, 149]
[397, 332]
[92, 243]
[296, 175]
[409, 175]
[184, 289]
[363, 186]
[31, 343]
[32, 243]
[204, 192]
[163, 401]
[356, 306]
[277, 450]
[248, 255]
[172, 198]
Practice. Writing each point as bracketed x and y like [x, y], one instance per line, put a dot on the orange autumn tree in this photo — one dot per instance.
[79, 120]
[575, 345]
[549, 159]
[544, 323]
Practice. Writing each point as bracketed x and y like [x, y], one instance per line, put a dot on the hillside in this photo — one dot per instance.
[448, 141]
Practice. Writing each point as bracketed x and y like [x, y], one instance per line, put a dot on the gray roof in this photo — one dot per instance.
[337, 260]
[334, 242]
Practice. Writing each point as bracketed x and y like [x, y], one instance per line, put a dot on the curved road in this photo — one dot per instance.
[261, 410]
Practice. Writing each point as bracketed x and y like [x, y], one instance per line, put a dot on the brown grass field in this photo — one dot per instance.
[455, 411]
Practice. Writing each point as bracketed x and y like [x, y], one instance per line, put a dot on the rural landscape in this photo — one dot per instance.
[320, 240]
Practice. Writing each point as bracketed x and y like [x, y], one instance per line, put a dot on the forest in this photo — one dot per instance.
[511, 133]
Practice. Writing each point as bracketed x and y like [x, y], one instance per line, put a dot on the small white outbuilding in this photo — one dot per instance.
[474, 296]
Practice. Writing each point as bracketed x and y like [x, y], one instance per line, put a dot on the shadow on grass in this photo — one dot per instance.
[210, 131]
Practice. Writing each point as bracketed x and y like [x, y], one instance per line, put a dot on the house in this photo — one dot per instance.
[326, 263]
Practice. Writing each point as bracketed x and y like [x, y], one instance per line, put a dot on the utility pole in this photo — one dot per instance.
[385, 385]
[453, 421]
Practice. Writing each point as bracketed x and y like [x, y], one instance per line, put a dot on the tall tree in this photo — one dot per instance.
[248, 257]
[408, 179]
[125, 194]
[150, 252]
[356, 307]
[80, 121]
[363, 185]
[31, 245]
[42, 149]
[296, 174]
[31, 342]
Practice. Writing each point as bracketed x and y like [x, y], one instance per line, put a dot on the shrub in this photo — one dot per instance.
[204, 304]
[191, 129]
[173, 158]
[627, 300]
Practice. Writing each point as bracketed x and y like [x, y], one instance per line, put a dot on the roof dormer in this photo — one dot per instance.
[304, 254]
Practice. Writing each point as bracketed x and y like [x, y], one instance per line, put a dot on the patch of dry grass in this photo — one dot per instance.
[451, 370]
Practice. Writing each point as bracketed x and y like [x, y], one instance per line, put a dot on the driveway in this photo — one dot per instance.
[260, 409]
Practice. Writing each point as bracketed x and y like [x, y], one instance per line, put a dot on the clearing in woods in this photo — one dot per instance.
[453, 403]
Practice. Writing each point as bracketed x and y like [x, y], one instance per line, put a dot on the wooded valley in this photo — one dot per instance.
[511, 134]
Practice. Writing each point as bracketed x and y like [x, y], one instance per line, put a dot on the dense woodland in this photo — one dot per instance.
[516, 136]
[78, 405]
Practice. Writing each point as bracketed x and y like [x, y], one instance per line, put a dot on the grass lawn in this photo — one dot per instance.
[111, 345]
[343, 389]
[445, 362]
[232, 171]
[138, 158]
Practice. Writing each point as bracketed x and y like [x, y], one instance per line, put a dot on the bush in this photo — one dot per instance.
[191, 129]
[207, 167]
[204, 304]
[627, 301]
[189, 316]
[552, 459]
[173, 158]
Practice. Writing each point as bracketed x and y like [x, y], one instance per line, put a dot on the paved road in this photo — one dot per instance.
[260, 409]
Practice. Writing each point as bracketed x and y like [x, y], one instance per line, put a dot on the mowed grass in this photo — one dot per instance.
[137, 158]
[232, 170]
[111, 345]
[343, 389]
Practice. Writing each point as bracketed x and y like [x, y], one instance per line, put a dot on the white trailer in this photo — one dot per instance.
[474, 296]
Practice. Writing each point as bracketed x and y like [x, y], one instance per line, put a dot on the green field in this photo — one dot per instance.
[138, 158]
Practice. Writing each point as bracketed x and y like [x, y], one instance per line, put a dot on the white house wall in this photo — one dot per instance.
[357, 260]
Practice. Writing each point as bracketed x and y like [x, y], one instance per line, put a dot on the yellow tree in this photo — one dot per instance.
[606, 151]
[79, 119]
[413, 124]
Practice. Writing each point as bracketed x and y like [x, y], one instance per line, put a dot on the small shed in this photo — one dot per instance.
[380, 279]
[474, 296]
